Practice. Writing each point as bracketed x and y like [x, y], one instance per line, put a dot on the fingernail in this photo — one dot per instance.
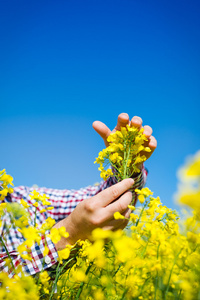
[131, 180]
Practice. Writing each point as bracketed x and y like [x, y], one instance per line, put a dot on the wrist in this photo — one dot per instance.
[63, 242]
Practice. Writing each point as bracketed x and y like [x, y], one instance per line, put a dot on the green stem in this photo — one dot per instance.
[126, 158]
[1, 239]
[144, 250]
[141, 214]
[117, 269]
[124, 293]
[179, 296]
[82, 283]
[156, 284]
[142, 287]
[55, 281]
[124, 161]
[58, 272]
[171, 273]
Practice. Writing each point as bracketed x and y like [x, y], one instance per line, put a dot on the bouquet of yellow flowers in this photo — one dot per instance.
[157, 257]
[124, 154]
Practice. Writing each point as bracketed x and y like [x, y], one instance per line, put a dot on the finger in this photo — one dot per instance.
[112, 193]
[116, 224]
[121, 204]
[102, 130]
[136, 122]
[147, 131]
[152, 144]
[123, 120]
[122, 226]
[127, 213]
[112, 222]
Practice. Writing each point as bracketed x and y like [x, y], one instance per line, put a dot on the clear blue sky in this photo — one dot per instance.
[65, 64]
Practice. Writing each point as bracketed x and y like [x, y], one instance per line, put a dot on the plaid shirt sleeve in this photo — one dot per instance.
[64, 202]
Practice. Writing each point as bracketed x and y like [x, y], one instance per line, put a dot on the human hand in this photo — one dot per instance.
[97, 211]
[123, 120]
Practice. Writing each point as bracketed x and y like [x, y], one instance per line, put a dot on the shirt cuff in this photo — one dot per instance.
[39, 261]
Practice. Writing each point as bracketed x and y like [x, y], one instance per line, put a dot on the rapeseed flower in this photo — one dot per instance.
[124, 153]
[157, 257]
[57, 233]
[5, 181]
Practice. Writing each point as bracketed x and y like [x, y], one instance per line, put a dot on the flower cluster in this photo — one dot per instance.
[156, 257]
[22, 288]
[189, 184]
[5, 181]
[152, 260]
[125, 153]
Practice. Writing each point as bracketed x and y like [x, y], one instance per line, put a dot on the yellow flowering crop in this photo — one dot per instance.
[153, 260]
[22, 288]
[157, 256]
[189, 184]
[124, 154]
[40, 198]
[57, 233]
[5, 181]
[118, 216]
